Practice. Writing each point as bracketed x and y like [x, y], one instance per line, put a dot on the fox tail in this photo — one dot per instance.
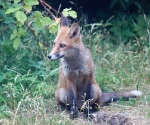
[109, 97]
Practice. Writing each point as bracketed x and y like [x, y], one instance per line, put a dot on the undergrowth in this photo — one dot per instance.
[28, 79]
[115, 70]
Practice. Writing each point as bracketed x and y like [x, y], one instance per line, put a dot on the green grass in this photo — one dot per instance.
[28, 79]
[116, 69]
[120, 49]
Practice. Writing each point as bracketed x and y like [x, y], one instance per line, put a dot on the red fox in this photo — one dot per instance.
[76, 74]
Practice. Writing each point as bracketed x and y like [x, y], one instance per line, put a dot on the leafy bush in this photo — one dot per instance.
[133, 29]
[27, 35]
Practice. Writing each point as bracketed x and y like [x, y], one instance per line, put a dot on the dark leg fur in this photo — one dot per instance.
[87, 97]
[73, 105]
[64, 106]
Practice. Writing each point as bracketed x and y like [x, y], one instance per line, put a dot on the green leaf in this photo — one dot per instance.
[21, 17]
[21, 32]
[11, 10]
[38, 23]
[37, 14]
[53, 28]
[41, 45]
[31, 2]
[45, 21]
[17, 1]
[65, 13]
[73, 14]
[66, 10]
[13, 35]
[27, 8]
[16, 42]
[69, 12]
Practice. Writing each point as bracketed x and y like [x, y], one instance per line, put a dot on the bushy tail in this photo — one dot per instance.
[109, 97]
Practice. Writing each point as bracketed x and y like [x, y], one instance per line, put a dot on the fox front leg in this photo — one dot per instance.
[73, 104]
[87, 100]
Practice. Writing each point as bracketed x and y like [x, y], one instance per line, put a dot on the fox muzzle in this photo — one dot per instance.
[55, 56]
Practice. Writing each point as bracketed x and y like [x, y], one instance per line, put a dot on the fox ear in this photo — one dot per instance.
[74, 30]
[64, 22]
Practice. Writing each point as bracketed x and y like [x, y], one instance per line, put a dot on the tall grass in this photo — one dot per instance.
[28, 96]
[116, 69]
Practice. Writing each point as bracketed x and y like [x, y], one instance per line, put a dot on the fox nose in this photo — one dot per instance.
[49, 56]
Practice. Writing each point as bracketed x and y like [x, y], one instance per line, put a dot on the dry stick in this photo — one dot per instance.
[28, 23]
[45, 4]
[42, 3]
[59, 10]
[50, 7]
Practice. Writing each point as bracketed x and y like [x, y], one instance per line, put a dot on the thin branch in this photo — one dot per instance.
[59, 10]
[45, 5]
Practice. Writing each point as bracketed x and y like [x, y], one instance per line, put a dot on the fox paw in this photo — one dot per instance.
[74, 112]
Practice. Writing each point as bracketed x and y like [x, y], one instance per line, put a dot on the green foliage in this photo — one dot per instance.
[24, 48]
[21, 17]
[133, 29]
[31, 2]
[27, 77]
[124, 4]
[69, 12]
[12, 10]
[25, 18]
[16, 42]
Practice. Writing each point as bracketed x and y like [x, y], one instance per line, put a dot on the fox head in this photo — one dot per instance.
[67, 41]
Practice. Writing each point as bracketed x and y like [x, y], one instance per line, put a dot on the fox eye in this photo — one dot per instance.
[62, 45]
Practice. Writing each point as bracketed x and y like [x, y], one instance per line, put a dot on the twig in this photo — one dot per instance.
[59, 10]
[45, 5]
[28, 23]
